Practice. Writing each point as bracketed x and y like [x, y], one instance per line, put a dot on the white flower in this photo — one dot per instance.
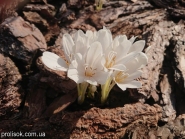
[120, 51]
[96, 58]
[125, 79]
[115, 53]
[88, 68]
[80, 45]
[77, 43]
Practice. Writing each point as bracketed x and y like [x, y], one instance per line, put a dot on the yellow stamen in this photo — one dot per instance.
[121, 76]
[89, 72]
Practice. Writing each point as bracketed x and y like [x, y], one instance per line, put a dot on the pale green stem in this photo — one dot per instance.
[106, 89]
[82, 87]
[111, 86]
[99, 4]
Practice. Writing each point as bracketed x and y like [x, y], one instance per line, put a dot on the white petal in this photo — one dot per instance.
[91, 36]
[91, 80]
[101, 77]
[122, 86]
[133, 76]
[103, 60]
[73, 64]
[80, 63]
[93, 53]
[104, 37]
[89, 33]
[107, 50]
[132, 84]
[137, 46]
[136, 63]
[54, 62]
[132, 39]
[122, 38]
[75, 76]
[119, 67]
[68, 46]
[127, 58]
[80, 36]
[122, 49]
[80, 47]
[77, 69]
[97, 63]
[116, 41]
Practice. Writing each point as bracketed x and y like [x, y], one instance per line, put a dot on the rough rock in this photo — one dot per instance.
[20, 39]
[173, 129]
[37, 20]
[112, 123]
[37, 1]
[61, 103]
[94, 20]
[53, 89]
[178, 66]
[46, 10]
[44, 13]
[43, 100]
[35, 102]
[160, 40]
[54, 78]
[11, 93]
[51, 92]
[76, 3]
[58, 42]
[11, 6]
[175, 8]
[65, 14]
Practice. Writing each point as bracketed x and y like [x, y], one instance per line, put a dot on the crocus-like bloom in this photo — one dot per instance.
[125, 79]
[124, 58]
[120, 50]
[88, 68]
[79, 43]
[96, 58]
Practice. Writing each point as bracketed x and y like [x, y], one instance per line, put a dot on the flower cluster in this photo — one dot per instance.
[95, 58]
